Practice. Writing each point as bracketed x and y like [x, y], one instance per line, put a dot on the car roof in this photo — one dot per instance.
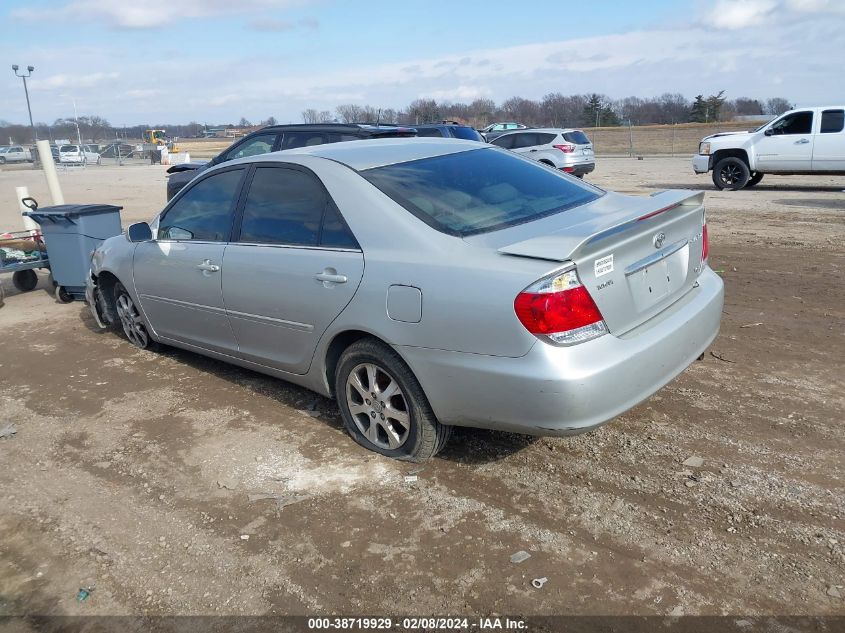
[444, 124]
[333, 127]
[366, 154]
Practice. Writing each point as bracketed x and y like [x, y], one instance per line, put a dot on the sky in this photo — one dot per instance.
[215, 61]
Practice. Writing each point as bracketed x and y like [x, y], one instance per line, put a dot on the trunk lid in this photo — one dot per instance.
[636, 256]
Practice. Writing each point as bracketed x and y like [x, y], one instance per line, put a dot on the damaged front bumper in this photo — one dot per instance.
[91, 300]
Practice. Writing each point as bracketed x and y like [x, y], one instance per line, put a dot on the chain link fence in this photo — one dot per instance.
[681, 139]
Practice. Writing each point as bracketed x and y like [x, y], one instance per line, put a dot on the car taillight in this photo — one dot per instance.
[566, 149]
[705, 241]
[560, 309]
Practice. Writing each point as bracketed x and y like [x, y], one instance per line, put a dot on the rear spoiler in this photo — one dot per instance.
[562, 245]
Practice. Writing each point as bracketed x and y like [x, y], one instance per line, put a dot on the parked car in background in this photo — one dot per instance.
[802, 141]
[497, 129]
[497, 293]
[71, 155]
[283, 137]
[91, 154]
[566, 149]
[449, 129]
[16, 154]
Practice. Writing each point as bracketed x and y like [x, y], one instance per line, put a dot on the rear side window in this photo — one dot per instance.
[459, 131]
[303, 139]
[478, 191]
[204, 211]
[577, 137]
[525, 139]
[429, 131]
[287, 206]
[545, 139]
[833, 121]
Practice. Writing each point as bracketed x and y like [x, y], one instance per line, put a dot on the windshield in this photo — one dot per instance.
[479, 191]
[3, 150]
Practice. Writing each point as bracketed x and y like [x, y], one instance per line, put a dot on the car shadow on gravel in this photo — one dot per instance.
[467, 445]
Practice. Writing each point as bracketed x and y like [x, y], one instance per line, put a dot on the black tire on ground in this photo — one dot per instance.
[25, 280]
[131, 324]
[731, 173]
[581, 176]
[756, 177]
[2, 161]
[414, 430]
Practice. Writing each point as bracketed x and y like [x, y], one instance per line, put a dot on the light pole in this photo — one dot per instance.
[29, 70]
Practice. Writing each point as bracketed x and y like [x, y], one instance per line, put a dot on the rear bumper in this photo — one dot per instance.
[580, 169]
[701, 163]
[566, 390]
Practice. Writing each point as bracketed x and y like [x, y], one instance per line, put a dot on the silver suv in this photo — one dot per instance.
[566, 149]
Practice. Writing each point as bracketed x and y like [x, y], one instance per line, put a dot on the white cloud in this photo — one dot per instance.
[146, 14]
[73, 81]
[740, 14]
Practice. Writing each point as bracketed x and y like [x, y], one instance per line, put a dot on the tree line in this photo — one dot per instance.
[553, 110]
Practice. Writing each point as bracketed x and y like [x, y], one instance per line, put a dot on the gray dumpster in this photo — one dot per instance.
[71, 232]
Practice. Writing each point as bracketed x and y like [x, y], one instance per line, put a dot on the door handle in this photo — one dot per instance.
[532, 150]
[207, 267]
[329, 276]
[802, 141]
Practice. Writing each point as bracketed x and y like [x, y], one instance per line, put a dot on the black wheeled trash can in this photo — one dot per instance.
[71, 232]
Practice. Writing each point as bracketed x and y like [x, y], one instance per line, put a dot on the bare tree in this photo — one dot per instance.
[310, 116]
[349, 112]
[777, 106]
[424, 111]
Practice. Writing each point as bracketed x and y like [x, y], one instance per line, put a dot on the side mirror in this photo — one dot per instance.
[769, 132]
[139, 232]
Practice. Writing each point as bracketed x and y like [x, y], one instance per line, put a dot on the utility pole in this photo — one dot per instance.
[76, 120]
[29, 70]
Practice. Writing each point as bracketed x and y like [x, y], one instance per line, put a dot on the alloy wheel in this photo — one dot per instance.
[131, 321]
[378, 406]
[730, 174]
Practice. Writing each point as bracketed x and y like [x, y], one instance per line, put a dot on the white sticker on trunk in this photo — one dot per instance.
[604, 265]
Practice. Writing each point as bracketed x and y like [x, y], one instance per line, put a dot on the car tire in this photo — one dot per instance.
[756, 177]
[403, 425]
[731, 173]
[2, 161]
[130, 320]
[25, 280]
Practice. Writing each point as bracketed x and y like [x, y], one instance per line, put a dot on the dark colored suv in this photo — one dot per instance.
[279, 137]
[449, 129]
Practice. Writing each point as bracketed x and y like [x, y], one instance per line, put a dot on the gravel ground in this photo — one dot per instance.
[175, 484]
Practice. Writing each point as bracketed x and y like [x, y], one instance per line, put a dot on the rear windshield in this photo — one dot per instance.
[68, 148]
[577, 137]
[479, 191]
[459, 131]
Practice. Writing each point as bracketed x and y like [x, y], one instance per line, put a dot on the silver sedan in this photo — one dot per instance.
[424, 284]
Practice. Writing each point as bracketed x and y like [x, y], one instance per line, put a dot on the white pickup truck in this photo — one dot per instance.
[15, 154]
[802, 141]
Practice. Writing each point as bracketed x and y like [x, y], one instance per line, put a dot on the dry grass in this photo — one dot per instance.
[204, 147]
[682, 138]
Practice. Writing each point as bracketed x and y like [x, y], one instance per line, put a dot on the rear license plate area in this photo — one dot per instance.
[654, 282]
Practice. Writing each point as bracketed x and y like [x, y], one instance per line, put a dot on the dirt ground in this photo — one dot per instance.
[142, 475]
